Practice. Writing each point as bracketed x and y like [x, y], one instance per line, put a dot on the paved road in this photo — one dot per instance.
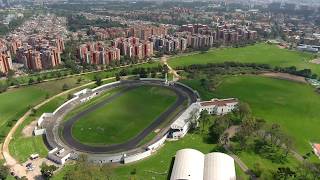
[132, 143]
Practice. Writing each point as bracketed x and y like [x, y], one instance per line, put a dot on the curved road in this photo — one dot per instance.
[130, 144]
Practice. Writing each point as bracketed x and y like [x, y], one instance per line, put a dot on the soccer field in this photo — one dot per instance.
[259, 53]
[124, 117]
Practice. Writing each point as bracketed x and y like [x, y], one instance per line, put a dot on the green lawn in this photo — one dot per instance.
[124, 117]
[35, 144]
[15, 102]
[294, 106]
[158, 165]
[259, 53]
[251, 159]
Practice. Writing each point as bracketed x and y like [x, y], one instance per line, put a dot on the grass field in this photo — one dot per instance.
[158, 165]
[15, 102]
[35, 144]
[294, 106]
[259, 53]
[124, 117]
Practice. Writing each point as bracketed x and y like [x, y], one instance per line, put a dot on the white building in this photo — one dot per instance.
[190, 164]
[219, 106]
[59, 156]
[181, 125]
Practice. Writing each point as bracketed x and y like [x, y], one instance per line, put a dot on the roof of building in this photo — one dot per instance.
[183, 119]
[191, 164]
[317, 147]
[188, 164]
[219, 102]
[218, 166]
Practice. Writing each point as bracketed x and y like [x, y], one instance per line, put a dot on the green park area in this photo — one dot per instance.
[259, 53]
[294, 106]
[124, 117]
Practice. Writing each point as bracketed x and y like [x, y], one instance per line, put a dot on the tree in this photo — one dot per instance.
[220, 124]
[288, 143]
[284, 173]
[79, 80]
[274, 132]
[244, 110]
[4, 172]
[98, 81]
[165, 69]
[153, 74]
[70, 96]
[3, 87]
[194, 118]
[47, 170]
[85, 170]
[118, 78]
[257, 170]
[65, 87]
[224, 138]
[39, 79]
[33, 111]
[204, 119]
[31, 81]
[204, 83]
[143, 73]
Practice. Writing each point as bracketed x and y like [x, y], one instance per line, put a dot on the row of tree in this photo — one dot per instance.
[225, 66]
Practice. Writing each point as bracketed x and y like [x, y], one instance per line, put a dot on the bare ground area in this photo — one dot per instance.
[315, 61]
[28, 130]
[285, 76]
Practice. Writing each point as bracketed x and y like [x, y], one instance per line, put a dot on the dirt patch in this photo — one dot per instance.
[285, 76]
[315, 61]
[28, 130]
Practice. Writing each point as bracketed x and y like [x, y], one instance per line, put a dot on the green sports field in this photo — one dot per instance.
[294, 106]
[124, 117]
[259, 53]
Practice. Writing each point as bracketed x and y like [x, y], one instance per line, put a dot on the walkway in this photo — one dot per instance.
[176, 76]
[231, 132]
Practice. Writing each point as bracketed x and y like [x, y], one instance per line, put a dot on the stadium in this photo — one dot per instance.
[93, 122]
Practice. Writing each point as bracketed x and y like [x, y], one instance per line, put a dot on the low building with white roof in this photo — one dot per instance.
[181, 125]
[219, 106]
[190, 164]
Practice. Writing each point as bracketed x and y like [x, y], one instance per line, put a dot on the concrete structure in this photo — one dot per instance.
[37, 52]
[59, 156]
[97, 53]
[219, 106]
[190, 164]
[132, 47]
[5, 62]
[181, 125]
[48, 123]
